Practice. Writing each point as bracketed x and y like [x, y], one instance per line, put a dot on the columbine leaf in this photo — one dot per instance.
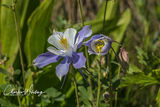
[138, 79]
[158, 98]
[141, 56]
[85, 95]
[5, 103]
[38, 31]
[52, 92]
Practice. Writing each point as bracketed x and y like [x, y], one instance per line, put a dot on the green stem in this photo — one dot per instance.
[99, 83]
[19, 46]
[75, 85]
[19, 101]
[110, 80]
[86, 53]
[19, 42]
[18, 98]
[80, 7]
[91, 89]
[116, 94]
[104, 15]
[106, 102]
[89, 76]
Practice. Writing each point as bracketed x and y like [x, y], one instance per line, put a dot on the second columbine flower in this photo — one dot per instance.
[99, 44]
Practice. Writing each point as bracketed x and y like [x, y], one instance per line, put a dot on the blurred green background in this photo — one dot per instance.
[133, 23]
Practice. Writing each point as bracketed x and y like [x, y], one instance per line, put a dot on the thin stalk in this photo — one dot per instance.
[19, 42]
[110, 81]
[91, 89]
[19, 45]
[34, 79]
[19, 101]
[75, 85]
[99, 83]
[80, 7]
[104, 15]
[116, 94]
[89, 76]
[86, 53]
[18, 98]
[106, 102]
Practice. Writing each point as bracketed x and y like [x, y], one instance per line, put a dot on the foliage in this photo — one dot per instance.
[135, 24]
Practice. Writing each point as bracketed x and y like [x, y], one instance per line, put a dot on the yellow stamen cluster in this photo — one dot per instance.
[99, 45]
[63, 42]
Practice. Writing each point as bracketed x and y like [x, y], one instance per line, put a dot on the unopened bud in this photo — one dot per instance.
[106, 95]
[11, 70]
[102, 60]
[123, 55]
[104, 74]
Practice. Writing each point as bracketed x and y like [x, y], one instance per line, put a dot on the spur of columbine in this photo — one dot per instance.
[65, 46]
[99, 44]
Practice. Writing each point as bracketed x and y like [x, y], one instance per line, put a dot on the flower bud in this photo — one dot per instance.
[104, 74]
[106, 95]
[103, 60]
[123, 55]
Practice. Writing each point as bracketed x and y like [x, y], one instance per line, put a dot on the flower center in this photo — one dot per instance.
[63, 42]
[99, 45]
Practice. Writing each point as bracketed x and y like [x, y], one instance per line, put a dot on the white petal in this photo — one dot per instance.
[68, 52]
[54, 39]
[93, 46]
[76, 43]
[70, 35]
[55, 51]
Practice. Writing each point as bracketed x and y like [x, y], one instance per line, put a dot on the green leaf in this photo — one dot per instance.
[85, 95]
[61, 98]
[2, 79]
[71, 89]
[111, 10]
[122, 24]
[133, 69]
[38, 31]
[97, 25]
[17, 72]
[158, 98]
[29, 79]
[7, 88]
[6, 103]
[142, 56]
[52, 92]
[138, 79]
[4, 72]
[8, 36]
[45, 101]
[110, 20]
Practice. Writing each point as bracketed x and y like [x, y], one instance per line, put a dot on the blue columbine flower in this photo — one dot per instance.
[99, 44]
[65, 46]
